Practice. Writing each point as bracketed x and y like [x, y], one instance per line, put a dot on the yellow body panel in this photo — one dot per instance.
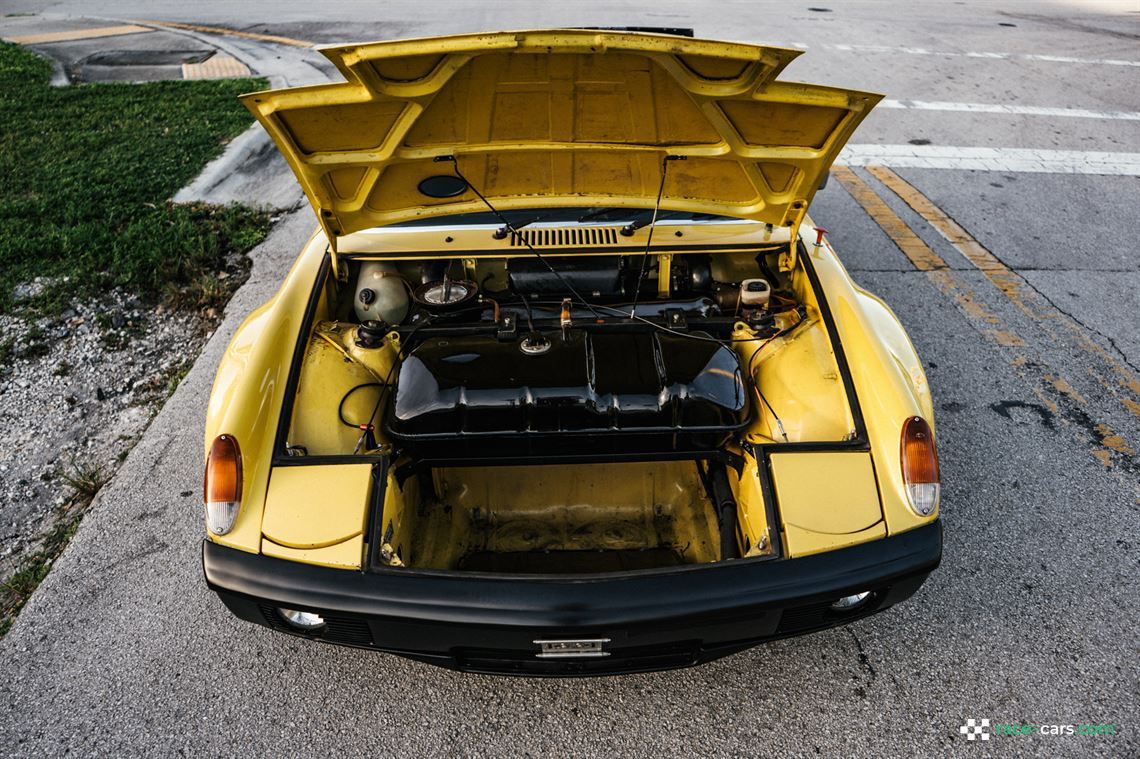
[827, 492]
[346, 555]
[250, 386]
[476, 241]
[314, 507]
[332, 367]
[887, 376]
[827, 500]
[556, 118]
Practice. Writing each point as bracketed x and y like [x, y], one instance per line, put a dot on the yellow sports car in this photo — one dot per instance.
[566, 382]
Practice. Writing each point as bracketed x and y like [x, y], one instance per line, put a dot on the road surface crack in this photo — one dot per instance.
[864, 661]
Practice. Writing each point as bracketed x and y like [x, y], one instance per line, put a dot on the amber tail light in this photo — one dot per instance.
[222, 484]
[920, 466]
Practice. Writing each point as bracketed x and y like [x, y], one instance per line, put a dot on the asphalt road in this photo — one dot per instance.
[1031, 618]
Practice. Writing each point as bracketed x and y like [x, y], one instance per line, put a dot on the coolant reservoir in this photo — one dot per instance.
[380, 293]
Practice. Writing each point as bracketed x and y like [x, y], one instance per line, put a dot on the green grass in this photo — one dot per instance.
[85, 177]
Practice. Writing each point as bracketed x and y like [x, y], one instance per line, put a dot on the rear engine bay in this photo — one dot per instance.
[566, 410]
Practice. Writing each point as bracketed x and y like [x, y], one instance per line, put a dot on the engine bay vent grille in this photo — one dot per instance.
[555, 238]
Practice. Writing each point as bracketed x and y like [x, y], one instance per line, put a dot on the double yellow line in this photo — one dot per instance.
[1055, 392]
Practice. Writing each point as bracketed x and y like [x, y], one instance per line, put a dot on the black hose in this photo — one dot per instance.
[725, 505]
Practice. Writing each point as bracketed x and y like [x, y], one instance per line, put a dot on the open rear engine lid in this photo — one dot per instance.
[558, 118]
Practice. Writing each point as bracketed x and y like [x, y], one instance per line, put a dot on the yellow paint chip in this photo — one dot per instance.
[219, 66]
[79, 34]
[1005, 337]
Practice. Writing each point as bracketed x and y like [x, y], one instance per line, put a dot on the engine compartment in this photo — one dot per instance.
[568, 410]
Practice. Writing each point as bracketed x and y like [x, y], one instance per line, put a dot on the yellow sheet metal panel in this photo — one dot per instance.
[556, 118]
[751, 511]
[830, 493]
[328, 375]
[612, 506]
[346, 555]
[800, 379]
[800, 542]
[316, 506]
[399, 242]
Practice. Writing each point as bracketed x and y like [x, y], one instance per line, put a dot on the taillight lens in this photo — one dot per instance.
[222, 485]
[920, 466]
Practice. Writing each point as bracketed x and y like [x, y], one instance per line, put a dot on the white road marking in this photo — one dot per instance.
[1017, 110]
[955, 54]
[1014, 160]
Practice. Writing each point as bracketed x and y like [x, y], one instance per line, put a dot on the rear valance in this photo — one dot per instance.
[558, 118]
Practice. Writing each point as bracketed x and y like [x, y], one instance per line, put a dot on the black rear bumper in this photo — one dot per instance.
[653, 620]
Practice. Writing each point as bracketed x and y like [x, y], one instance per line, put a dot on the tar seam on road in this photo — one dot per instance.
[1027, 298]
[1057, 393]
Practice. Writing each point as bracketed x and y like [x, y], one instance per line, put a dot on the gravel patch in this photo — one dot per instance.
[77, 389]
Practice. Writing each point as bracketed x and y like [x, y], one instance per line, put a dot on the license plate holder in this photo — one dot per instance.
[572, 648]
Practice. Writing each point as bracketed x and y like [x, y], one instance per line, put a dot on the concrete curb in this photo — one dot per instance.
[251, 170]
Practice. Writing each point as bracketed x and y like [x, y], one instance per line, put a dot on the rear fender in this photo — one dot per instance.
[249, 388]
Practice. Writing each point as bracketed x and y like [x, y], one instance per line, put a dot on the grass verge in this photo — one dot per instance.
[85, 177]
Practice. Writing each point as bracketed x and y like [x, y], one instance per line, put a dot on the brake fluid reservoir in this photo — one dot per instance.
[380, 293]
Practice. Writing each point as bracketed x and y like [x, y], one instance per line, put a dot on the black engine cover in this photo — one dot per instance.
[594, 393]
[590, 275]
